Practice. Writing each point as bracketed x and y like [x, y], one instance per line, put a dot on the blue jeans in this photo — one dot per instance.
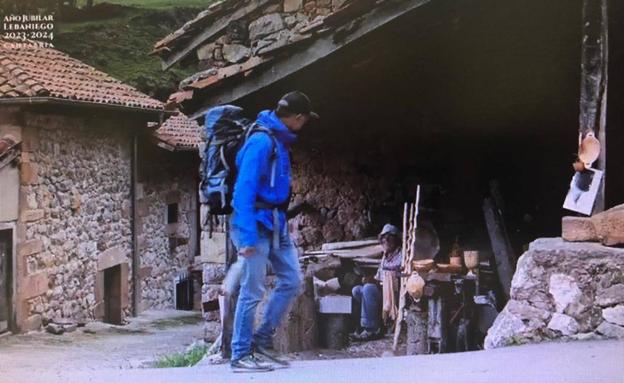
[285, 264]
[368, 299]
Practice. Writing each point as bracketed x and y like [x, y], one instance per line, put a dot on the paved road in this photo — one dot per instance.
[582, 362]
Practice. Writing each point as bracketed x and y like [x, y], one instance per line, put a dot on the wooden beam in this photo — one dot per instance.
[349, 244]
[614, 188]
[594, 64]
[317, 50]
[503, 253]
[216, 28]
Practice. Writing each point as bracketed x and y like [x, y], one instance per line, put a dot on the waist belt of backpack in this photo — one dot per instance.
[276, 223]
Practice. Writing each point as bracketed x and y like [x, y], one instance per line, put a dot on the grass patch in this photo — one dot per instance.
[182, 359]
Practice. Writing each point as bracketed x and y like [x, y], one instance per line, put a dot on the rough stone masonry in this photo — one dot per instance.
[563, 290]
[165, 249]
[74, 202]
[75, 220]
[279, 25]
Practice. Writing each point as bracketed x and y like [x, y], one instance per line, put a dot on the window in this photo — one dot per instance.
[172, 213]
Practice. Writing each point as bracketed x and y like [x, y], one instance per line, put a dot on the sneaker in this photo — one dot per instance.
[270, 355]
[356, 334]
[367, 335]
[250, 363]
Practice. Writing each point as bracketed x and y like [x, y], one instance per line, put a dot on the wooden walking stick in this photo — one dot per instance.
[408, 254]
[406, 207]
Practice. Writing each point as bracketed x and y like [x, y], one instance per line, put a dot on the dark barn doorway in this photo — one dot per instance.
[112, 295]
[457, 98]
[6, 291]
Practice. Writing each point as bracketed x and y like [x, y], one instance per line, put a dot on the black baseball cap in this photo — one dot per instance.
[298, 103]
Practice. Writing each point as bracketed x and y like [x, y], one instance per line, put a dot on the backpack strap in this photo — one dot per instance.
[258, 128]
[274, 209]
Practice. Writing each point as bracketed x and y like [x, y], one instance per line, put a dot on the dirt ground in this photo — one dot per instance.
[97, 345]
[140, 344]
[375, 348]
[355, 350]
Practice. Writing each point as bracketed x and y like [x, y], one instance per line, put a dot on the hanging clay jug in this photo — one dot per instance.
[415, 286]
[589, 149]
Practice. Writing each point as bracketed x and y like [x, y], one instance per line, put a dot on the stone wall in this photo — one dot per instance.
[342, 196]
[278, 24]
[167, 250]
[563, 290]
[345, 188]
[74, 214]
[343, 200]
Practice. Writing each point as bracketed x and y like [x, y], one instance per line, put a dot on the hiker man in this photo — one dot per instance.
[259, 231]
[375, 303]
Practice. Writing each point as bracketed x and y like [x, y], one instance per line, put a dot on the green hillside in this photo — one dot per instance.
[155, 4]
[119, 45]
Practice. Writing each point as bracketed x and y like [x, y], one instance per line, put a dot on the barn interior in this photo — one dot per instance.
[462, 100]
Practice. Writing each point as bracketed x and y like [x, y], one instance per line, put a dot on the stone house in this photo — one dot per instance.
[169, 214]
[82, 224]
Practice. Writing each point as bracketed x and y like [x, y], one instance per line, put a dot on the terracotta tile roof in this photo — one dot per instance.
[28, 70]
[180, 132]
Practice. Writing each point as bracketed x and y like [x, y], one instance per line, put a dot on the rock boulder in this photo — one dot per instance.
[563, 290]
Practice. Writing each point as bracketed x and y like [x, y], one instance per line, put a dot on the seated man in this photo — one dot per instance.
[369, 298]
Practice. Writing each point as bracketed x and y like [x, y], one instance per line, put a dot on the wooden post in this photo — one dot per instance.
[136, 227]
[615, 112]
[229, 301]
[594, 64]
[436, 325]
[416, 319]
[501, 247]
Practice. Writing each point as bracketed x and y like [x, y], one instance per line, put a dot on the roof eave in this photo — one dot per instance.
[161, 143]
[286, 65]
[78, 103]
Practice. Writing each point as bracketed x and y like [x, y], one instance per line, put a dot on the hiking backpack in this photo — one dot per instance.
[226, 131]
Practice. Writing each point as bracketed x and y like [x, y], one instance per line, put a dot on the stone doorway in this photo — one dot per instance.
[112, 286]
[6, 259]
[113, 312]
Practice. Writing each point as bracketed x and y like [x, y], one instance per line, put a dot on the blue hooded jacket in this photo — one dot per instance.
[253, 182]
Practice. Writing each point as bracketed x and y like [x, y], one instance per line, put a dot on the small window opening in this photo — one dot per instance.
[183, 292]
[172, 213]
